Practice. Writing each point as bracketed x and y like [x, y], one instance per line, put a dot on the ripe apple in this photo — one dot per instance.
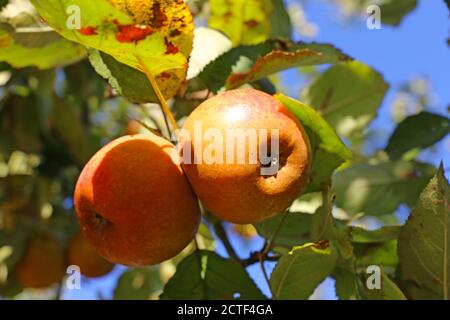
[82, 254]
[238, 191]
[134, 203]
[42, 264]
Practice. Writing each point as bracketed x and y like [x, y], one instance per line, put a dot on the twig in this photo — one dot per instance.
[159, 95]
[222, 235]
[256, 256]
[271, 242]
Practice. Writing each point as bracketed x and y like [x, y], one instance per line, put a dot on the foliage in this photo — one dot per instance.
[66, 92]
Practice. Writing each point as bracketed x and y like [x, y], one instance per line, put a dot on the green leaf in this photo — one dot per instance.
[393, 11]
[40, 48]
[298, 273]
[294, 232]
[323, 226]
[280, 21]
[417, 132]
[158, 34]
[243, 21]
[206, 275]
[128, 82]
[246, 64]
[348, 96]
[138, 284]
[3, 4]
[68, 124]
[327, 150]
[381, 254]
[379, 189]
[360, 235]
[388, 289]
[424, 243]
[347, 282]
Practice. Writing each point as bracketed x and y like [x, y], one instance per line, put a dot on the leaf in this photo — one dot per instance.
[67, 122]
[418, 131]
[327, 150]
[294, 232]
[360, 235]
[323, 226]
[424, 243]
[157, 32]
[128, 82]
[347, 282]
[393, 11]
[388, 291]
[348, 96]
[208, 45]
[206, 275]
[379, 189]
[280, 21]
[243, 21]
[42, 49]
[298, 273]
[246, 64]
[381, 254]
[138, 284]
[3, 4]
[279, 60]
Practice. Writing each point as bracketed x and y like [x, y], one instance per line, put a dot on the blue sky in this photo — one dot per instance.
[416, 48]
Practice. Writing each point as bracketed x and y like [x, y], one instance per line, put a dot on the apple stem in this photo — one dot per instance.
[159, 95]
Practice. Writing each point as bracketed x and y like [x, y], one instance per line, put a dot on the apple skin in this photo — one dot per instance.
[238, 192]
[80, 253]
[42, 265]
[134, 203]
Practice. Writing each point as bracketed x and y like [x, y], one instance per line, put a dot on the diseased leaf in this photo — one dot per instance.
[278, 60]
[424, 243]
[246, 64]
[417, 132]
[40, 48]
[299, 272]
[327, 150]
[243, 21]
[379, 189]
[156, 33]
[348, 96]
[206, 275]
